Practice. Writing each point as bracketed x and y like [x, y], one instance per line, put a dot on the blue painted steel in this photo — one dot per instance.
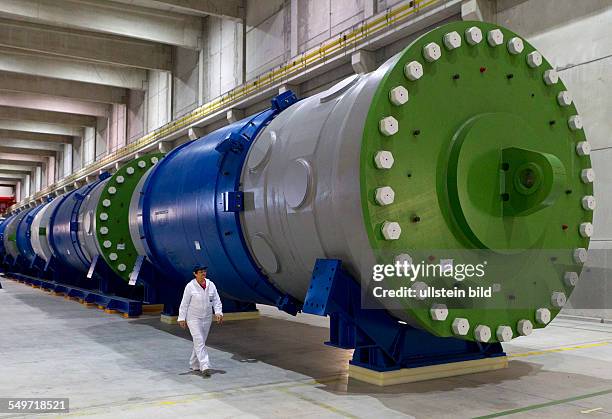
[380, 342]
[184, 222]
[3, 226]
[24, 244]
[63, 237]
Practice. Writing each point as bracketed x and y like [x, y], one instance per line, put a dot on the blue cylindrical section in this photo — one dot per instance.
[185, 222]
[23, 235]
[3, 226]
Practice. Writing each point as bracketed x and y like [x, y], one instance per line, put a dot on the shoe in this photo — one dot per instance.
[206, 373]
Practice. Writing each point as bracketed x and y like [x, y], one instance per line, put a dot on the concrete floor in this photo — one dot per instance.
[274, 367]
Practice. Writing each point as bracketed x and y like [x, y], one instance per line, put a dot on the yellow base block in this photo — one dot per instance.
[86, 304]
[430, 372]
[242, 315]
[109, 311]
[168, 319]
[127, 316]
[152, 308]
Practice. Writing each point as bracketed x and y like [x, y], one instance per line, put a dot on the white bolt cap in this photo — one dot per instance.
[103, 216]
[587, 175]
[383, 159]
[104, 230]
[120, 179]
[586, 229]
[106, 202]
[504, 333]
[420, 288]
[388, 126]
[564, 98]
[438, 312]
[142, 164]
[432, 52]
[558, 299]
[580, 255]
[551, 77]
[391, 230]
[543, 316]
[575, 122]
[112, 190]
[122, 267]
[583, 148]
[154, 160]
[534, 59]
[452, 40]
[482, 333]
[524, 327]
[461, 326]
[107, 244]
[570, 279]
[113, 256]
[515, 46]
[398, 95]
[130, 170]
[495, 37]
[385, 195]
[473, 35]
[404, 258]
[413, 70]
[588, 202]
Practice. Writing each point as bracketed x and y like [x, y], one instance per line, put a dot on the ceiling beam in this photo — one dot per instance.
[17, 173]
[110, 18]
[6, 175]
[100, 48]
[13, 135]
[68, 89]
[35, 145]
[34, 115]
[28, 151]
[11, 168]
[230, 9]
[15, 61]
[54, 104]
[41, 128]
[16, 162]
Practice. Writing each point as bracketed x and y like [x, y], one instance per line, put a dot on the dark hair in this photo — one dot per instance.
[199, 268]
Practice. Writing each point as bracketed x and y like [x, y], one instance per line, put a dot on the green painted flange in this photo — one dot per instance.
[487, 164]
[112, 215]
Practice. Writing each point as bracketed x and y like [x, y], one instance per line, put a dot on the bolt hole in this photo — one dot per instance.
[416, 132]
[564, 227]
[568, 192]
[505, 167]
[456, 76]
[416, 219]
[510, 76]
[533, 95]
[505, 197]
[483, 69]
[552, 122]
[409, 174]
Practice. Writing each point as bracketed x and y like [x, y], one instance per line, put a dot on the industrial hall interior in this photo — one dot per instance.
[306, 208]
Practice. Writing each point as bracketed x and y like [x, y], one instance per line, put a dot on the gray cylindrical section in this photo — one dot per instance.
[10, 232]
[136, 216]
[87, 222]
[39, 230]
[302, 188]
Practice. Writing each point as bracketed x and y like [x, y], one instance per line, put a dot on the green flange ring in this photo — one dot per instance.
[484, 126]
[113, 211]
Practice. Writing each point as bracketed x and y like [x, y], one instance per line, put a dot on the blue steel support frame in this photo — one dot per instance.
[380, 342]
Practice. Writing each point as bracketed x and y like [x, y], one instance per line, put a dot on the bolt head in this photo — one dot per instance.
[419, 287]
[587, 175]
[107, 244]
[383, 159]
[586, 229]
[388, 126]
[583, 148]
[482, 333]
[432, 52]
[103, 216]
[524, 327]
[120, 179]
[588, 202]
[515, 45]
[473, 35]
[385, 195]
[391, 230]
[551, 77]
[534, 59]
[495, 37]
[106, 202]
[129, 170]
[413, 70]
[438, 312]
[558, 299]
[122, 267]
[112, 190]
[543, 316]
[461, 326]
[580, 255]
[142, 164]
[398, 95]
[404, 258]
[570, 279]
[564, 98]
[504, 333]
[113, 256]
[154, 160]
[104, 230]
[452, 40]
[575, 122]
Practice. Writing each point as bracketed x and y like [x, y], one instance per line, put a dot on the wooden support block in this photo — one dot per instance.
[168, 319]
[59, 294]
[127, 316]
[88, 305]
[241, 315]
[430, 372]
[109, 311]
[101, 307]
[152, 308]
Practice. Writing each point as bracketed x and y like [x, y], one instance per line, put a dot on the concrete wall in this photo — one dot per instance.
[577, 39]
[158, 99]
[6, 191]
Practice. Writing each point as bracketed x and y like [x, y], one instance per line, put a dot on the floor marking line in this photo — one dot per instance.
[586, 412]
[547, 404]
[563, 349]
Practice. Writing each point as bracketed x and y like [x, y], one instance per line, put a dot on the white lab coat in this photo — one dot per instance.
[197, 308]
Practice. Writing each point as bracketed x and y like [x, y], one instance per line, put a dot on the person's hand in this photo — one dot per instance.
[219, 318]
[183, 324]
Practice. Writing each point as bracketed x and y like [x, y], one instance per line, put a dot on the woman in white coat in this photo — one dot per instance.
[199, 300]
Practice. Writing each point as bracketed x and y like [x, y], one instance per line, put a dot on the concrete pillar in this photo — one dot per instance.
[18, 196]
[26, 186]
[470, 10]
[294, 28]
[363, 61]
[369, 8]
[234, 115]
[37, 179]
